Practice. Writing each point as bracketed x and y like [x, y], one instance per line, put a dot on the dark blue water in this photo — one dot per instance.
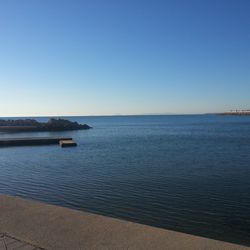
[186, 173]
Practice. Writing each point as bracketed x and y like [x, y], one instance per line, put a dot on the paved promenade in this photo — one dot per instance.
[41, 226]
[10, 243]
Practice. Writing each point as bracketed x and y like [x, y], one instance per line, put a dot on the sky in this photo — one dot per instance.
[116, 57]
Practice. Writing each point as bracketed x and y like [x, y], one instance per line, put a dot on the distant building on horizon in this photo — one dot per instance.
[237, 112]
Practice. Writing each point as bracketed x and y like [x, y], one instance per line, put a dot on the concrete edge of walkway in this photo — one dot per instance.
[53, 227]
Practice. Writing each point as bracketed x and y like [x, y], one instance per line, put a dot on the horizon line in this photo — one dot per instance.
[98, 115]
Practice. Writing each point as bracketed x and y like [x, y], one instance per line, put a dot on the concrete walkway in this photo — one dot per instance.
[10, 243]
[52, 227]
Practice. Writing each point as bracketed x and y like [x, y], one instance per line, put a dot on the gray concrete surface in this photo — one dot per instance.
[10, 243]
[52, 227]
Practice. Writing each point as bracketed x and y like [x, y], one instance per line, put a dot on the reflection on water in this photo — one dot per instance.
[187, 173]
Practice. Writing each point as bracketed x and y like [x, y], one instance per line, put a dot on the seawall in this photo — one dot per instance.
[53, 227]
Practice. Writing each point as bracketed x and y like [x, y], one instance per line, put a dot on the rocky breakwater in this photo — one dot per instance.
[26, 125]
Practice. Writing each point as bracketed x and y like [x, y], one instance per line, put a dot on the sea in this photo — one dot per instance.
[188, 173]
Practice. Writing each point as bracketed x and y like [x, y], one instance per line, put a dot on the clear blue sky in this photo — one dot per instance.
[95, 57]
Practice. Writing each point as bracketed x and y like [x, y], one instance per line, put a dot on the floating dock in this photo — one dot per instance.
[67, 143]
[31, 141]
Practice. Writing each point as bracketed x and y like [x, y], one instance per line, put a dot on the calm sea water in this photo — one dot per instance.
[186, 173]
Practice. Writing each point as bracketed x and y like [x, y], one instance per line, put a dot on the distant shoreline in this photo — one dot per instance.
[240, 113]
[32, 125]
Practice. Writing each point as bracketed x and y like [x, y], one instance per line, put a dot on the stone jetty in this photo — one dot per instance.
[32, 141]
